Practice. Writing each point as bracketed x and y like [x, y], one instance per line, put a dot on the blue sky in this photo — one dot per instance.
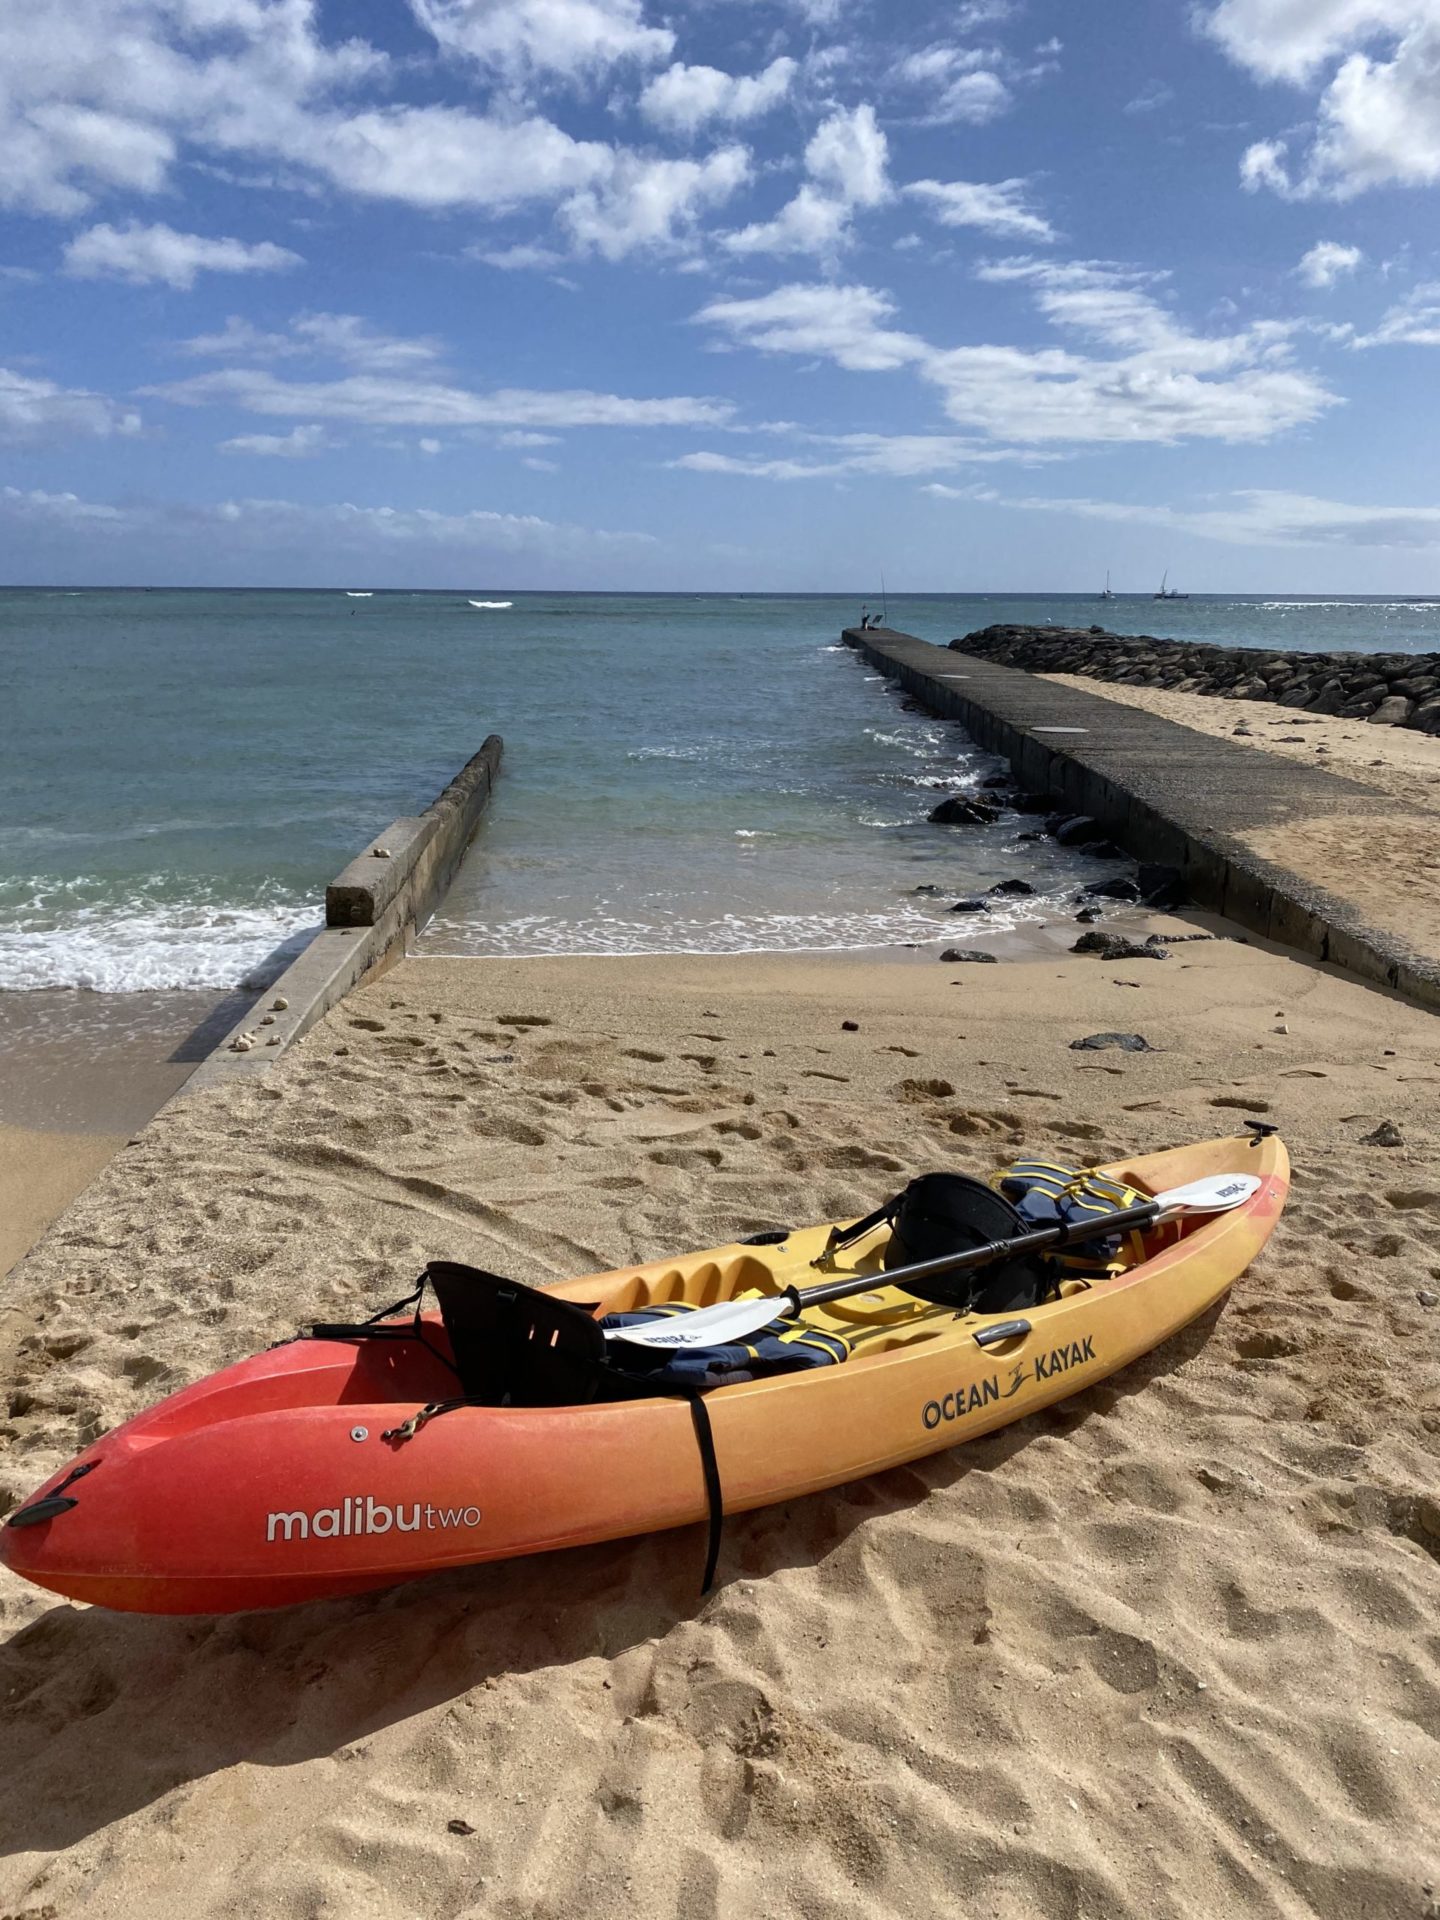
[748, 293]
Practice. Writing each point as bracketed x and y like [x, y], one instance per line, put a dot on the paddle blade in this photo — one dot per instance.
[718, 1326]
[1218, 1194]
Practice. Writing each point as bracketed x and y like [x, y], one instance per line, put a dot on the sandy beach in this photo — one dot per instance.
[1162, 1650]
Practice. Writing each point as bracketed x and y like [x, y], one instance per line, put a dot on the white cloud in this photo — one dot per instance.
[811, 222]
[653, 204]
[1263, 165]
[571, 38]
[142, 254]
[1151, 97]
[1411, 322]
[32, 409]
[301, 443]
[996, 207]
[323, 336]
[683, 99]
[268, 527]
[963, 83]
[520, 437]
[1160, 382]
[443, 157]
[847, 154]
[345, 336]
[894, 455]
[376, 401]
[1292, 39]
[1323, 265]
[1378, 112]
[523, 257]
[1261, 517]
[839, 323]
[846, 164]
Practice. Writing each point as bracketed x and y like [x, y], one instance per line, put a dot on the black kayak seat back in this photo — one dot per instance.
[516, 1343]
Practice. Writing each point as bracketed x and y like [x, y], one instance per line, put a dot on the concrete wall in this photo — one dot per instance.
[372, 910]
[1167, 795]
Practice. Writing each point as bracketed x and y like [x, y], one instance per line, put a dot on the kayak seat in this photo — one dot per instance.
[516, 1344]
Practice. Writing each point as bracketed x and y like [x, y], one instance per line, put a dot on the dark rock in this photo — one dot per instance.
[1102, 850]
[1117, 889]
[976, 904]
[1029, 836]
[1393, 711]
[1114, 946]
[1097, 1042]
[995, 781]
[926, 888]
[1004, 888]
[1030, 803]
[1387, 1134]
[953, 954]
[462, 1827]
[958, 811]
[1089, 914]
[1070, 832]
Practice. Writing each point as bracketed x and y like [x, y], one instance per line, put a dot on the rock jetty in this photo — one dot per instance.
[1390, 689]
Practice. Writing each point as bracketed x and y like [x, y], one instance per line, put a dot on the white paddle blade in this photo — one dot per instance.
[1218, 1194]
[718, 1326]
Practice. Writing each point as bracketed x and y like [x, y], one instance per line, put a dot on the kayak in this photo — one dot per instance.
[324, 1467]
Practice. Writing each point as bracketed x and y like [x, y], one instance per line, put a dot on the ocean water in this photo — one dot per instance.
[181, 772]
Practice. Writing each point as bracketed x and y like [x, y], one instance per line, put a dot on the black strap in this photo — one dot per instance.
[842, 1236]
[714, 1496]
[372, 1330]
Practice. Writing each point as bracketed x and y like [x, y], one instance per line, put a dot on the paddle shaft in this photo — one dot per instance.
[1065, 1235]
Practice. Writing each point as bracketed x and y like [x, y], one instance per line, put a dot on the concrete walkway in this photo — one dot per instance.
[1169, 795]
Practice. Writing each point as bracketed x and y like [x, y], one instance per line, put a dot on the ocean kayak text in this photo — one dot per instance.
[981, 1393]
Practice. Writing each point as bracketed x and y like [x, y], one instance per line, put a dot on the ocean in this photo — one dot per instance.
[181, 772]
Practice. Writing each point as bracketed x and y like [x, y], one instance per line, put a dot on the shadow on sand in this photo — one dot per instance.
[103, 1713]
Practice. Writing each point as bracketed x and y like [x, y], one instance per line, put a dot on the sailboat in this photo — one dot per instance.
[1169, 593]
[1107, 594]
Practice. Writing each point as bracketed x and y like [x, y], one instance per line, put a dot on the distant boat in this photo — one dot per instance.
[1107, 594]
[491, 606]
[367, 594]
[1169, 593]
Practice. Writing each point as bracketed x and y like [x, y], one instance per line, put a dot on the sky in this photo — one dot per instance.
[743, 294]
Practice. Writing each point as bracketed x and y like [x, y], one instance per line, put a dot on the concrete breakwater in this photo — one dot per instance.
[1171, 797]
[1390, 689]
[372, 908]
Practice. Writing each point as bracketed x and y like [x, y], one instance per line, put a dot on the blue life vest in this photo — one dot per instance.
[784, 1346]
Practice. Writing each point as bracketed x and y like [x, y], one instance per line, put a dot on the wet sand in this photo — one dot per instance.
[1165, 1650]
[79, 1073]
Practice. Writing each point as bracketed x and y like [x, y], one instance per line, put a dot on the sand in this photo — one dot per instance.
[1389, 864]
[1167, 1650]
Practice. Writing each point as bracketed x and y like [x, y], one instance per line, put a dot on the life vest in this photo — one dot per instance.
[1047, 1192]
[785, 1346]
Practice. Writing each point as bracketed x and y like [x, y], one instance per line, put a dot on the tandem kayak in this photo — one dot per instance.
[336, 1464]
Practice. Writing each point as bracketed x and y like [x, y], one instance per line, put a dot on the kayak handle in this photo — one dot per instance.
[1002, 1330]
[41, 1510]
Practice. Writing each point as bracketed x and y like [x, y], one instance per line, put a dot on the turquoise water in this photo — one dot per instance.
[181, 772]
